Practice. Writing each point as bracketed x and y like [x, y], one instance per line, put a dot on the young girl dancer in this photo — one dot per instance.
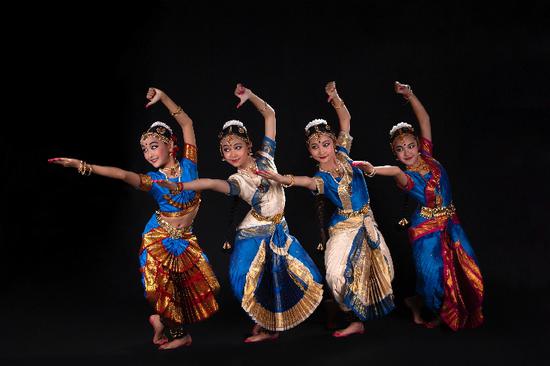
[359, 268]
[271, 275]
[449, 281]
[178, 280]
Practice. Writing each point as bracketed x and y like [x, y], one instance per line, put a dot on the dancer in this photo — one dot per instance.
[179, 282]
[359, 267]
[271, 275]
[448, 279]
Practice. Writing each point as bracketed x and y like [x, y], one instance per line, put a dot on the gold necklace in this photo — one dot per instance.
[335, 172]
[172, 172]
[340, 173]
[419, 166]
[250, 171]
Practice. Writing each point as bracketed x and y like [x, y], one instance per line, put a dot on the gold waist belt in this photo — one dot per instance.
[174, 232]
[352, 213]
[174, 214]
[274, 219]
[444, 211]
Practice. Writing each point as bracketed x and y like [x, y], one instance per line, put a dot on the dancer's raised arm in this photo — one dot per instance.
[265, 109]
[186, 123]
[420, 112]
[344, 117]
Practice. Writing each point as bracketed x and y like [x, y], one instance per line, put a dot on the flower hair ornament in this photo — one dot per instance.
[159, 130]
[234, 122]
[236, 128]
[317, 127]
[402, 128]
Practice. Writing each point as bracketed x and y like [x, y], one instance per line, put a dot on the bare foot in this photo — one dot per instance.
[414, 303]
[178, 342]
[262, 337]
[256, 329]
[433, 323]
[158, 327]
[353, 328]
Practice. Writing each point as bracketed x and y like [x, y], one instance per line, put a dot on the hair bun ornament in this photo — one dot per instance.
[399, 126]
[233, 122]
[162, 124]
[316, 122]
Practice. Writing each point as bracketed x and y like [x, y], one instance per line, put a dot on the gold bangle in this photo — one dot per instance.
[177, 111]
[179, 188]
[291, 181]
[372, 173]
[84, 168]
[264, 108]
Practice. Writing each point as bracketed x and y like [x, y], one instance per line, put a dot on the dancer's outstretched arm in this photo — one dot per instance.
[289, 180]
[202, 184]
[265, 109]
[385, 170]
[420, 112]
[84, 168]
[344, 117]
[154, 95]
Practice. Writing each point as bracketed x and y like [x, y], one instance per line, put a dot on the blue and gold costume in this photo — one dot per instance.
[272, 276]
[448, 277]
[179, 282]
[359, 267]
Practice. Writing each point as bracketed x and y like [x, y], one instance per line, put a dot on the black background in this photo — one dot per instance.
[78, 76]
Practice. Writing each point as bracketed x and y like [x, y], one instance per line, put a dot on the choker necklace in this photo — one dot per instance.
[172, 172]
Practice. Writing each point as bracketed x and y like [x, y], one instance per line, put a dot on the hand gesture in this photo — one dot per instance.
[154, 95]
[330, 89]
[65, 162]
[363, 165]
[403, 89]
[268, 174]
[242, 93]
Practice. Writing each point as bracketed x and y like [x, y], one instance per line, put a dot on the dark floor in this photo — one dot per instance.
[92, 333]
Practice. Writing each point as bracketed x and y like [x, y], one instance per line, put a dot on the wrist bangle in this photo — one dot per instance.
[372, 173]
[179, 188]
[177, 111]
[84, 168]
[264, 107]
[291, 181]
